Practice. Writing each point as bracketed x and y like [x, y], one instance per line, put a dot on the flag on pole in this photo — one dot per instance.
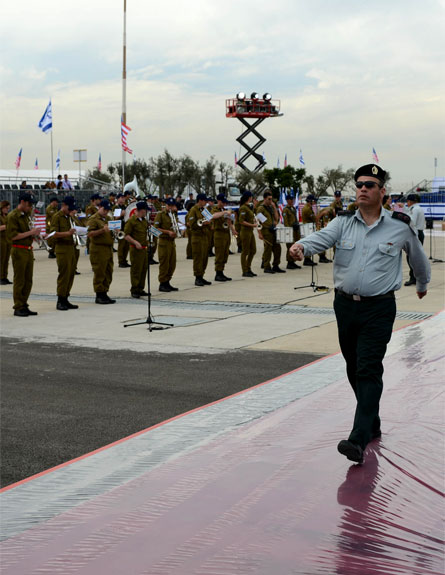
[124, 133]
[99, 163]
[58, 161]
[46, 123]
[285, 160]
[236, 160]
[301, 158]
[18, 159]
[278, 162]
[36, 165]
[374, 156]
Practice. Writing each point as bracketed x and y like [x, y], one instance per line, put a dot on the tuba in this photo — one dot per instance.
[175, 224]
[132, 187]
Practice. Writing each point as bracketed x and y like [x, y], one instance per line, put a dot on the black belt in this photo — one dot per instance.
[355, 297]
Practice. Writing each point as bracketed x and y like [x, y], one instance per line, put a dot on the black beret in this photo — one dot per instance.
[371, 170]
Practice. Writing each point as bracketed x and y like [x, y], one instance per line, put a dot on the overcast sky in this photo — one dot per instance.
[351, 75]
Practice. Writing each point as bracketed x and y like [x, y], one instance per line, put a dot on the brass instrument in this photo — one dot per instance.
[78, 241]
[175, 224]
[39, 239]
[120, 235]
[259, 225]
[227, 215]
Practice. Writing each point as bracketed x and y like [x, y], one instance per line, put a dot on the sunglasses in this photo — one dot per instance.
[368, 185]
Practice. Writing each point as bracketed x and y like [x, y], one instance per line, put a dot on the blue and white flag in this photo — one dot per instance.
[301, 158]
[46, 123]
[58, 161]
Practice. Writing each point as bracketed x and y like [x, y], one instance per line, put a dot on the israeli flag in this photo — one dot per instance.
[301, 158]
[58, 161]
[46, 123]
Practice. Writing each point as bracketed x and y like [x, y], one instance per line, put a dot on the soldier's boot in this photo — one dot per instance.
[206, 283]
[199, 281]
[164, 287]
[324, 260]
[61, 305]
[171, 287]
[51, 254]
[101, 298]
[220, 277]
[109, 300]
[70, 305]
[308, 262]
[278, 270]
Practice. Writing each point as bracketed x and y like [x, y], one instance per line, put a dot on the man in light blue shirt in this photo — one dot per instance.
[367, 272]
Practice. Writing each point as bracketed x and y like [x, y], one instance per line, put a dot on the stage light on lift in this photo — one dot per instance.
[241, 96]
[254, 95]
[267, 97]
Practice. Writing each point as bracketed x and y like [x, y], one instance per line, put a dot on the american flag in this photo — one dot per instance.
[36, 165]
[285, 160]
[124, 133]
[99, 163]
[18, 159]
[236, 160]
[374, 156]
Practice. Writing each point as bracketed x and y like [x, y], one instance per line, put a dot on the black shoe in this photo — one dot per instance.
[231, 253]
[143, 293]
[292, 266]
[350, 450]
[135, 295]
[308, 262]
[5, 282]
[189, 257]
[70, 305]
[152, 262]
[30, 312]
[324, 260]
[22, 312]
[240, 249]
[227, 279]
[278, 270]
[206, 283]
[410, 283]
[100, 298]
[109, 300]
[247, 275]
[268, 271]
[164, 287]
[114, 251]
[61, 305]
[171, 287]
[211, 254]
[76, 273]
[252, 275]
[125, 265]
[51, 255]
[199, 282]
[220, 277]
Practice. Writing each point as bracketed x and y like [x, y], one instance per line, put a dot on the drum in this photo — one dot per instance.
[306, 229]
[285, 235]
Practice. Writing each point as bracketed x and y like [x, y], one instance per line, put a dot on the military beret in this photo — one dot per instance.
[54, 199]
[371, 170]
[141, 206]
[221, 197]
[112, 194]
[170, 202]
[95, 196]
[413, 197]
[119, 195]
[246, 195]
[105, 204]
[311, 198]
[201, 197]
[337, 193]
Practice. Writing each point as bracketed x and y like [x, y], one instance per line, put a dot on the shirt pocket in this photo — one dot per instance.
[387, 256]
[344, 251]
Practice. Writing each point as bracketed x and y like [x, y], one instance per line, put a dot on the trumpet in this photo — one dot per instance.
[77, 239]
[175, 224]
[227, 215]
[120, 235]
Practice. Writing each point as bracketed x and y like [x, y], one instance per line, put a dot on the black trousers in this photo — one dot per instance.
[364, 331]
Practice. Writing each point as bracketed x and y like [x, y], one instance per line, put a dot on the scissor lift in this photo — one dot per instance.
[256, 109]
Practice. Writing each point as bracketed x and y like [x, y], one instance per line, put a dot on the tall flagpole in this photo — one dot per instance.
[124, 87]
[52, 157]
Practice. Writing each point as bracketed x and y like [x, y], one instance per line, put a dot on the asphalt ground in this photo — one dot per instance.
[59, 402]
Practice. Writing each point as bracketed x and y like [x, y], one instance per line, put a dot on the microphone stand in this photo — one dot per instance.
[150, 320]
[313, 285]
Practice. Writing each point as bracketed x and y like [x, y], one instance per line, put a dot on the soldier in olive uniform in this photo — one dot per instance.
[5, 246]
[20, 235]
[112, 199]
[51, 210]
[123, 246]
[152, 212]
[136, 234]
[101, 252]
[386, 203]
[167, 246]
[308, 216]
[188, 206]
[290, 220]
[210, 204]
[247, 225]
[62, 225]
[222, 229]
[90, 211]
[268, 235]
[200, 240]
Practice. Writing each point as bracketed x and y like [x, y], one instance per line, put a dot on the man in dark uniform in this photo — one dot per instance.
[62, 226]
[51, 210]
[101, 252]
[20, 235]
[222, 227]
[200, 240]
[136, 234]
[290, 220]
[247, 225]
[367, 271]
[268, 234]
[166, 222]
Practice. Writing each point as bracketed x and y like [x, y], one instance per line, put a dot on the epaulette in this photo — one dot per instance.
[402, 217]
[348, 213]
